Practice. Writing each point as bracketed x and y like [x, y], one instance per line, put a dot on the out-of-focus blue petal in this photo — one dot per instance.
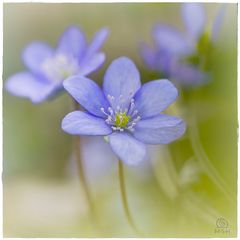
[149, 56]
[35, 54]
[217, 22]
[164, 61]
[97, 42]
[87, 93]
[72, 42]
[91, 64]
[188, 75]
[193, 15]
[99, 160]
[169, 39]
[161, 129]
[127, 148]
[121, 79]
[25, 84]
[154, 97]
[81, 123]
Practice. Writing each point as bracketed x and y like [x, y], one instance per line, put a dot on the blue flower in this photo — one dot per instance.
[48, 67]
[178, 55]
[124, 111]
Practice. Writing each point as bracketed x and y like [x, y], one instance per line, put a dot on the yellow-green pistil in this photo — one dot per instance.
[122, 120]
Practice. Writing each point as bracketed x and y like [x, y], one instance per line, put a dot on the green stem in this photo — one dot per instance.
[81, 173]
[80, 167]
[165, 174]
[199, 151]
[124, 197]
[204, 161]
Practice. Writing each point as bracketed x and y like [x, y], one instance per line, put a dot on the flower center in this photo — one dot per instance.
[120, 118]
[59, 67]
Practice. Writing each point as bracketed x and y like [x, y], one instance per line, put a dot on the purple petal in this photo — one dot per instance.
[161, 129]
[164, 61]
[193, 15]
[87, 93]
[127, 148]
[97, 42]
[81, 123]
[121, 79]
[92, 64]
[35, 54]
[171, 40]
[25, 84]
[188, 74]
[149, 56]
[72, 42]
[155, 96]
[217, 22]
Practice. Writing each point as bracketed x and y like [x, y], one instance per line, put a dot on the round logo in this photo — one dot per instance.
[222, 223]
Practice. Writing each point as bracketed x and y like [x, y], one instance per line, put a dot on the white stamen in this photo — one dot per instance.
[110, 110]
[132, 105]
[59, 67]
[116, 112]
[130, 128]
[134, 113]
[103, 111]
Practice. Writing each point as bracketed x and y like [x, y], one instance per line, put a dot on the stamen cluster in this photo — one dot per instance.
[59, 67]
[119, 117]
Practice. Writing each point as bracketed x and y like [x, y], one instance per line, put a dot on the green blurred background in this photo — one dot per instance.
[42, 195]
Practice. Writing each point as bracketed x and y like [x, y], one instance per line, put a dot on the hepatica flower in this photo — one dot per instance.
[126, 113]
[178, 55]
[48, 67]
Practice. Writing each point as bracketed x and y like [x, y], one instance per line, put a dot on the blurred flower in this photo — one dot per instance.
[100, 163]
[97, 158]
[48, 67]
[126, 112]
[180, 56]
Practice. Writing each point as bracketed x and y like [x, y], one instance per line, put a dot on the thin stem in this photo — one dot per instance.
[124, 197]
[204, 161]
[81, 173]
[201, 155]
[80, 167]
[165, 174]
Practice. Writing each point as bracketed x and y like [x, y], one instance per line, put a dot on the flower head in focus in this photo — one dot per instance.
[181, 56]
[128, 114]
[48, 67]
